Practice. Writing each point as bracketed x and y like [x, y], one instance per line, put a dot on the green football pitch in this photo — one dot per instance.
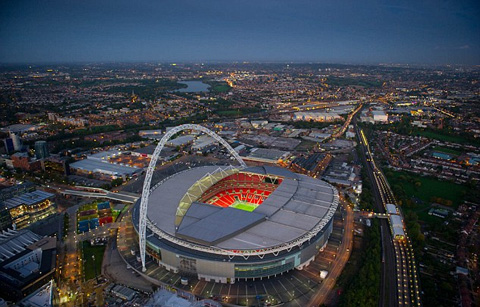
[243, 205]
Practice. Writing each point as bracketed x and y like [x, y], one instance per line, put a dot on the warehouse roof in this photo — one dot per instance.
[13, 242]
[97, 166]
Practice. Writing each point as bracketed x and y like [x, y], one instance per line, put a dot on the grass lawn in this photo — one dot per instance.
[115, 214]
[229, 113]
[430, 187]
[221, 88]
[89, 266]
[443, 137]
[243, 205]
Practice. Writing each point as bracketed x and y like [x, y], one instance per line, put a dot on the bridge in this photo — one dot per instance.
[101, 193]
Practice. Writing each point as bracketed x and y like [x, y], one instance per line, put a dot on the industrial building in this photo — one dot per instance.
[266, 155]
[30, 207]
[98, 165]
[27, 261]
[312, 165]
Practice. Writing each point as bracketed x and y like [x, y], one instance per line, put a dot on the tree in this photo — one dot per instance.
[116, 182]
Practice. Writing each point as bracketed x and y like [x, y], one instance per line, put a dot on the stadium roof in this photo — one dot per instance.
[208, 224]
[164, 200]
[294, 208]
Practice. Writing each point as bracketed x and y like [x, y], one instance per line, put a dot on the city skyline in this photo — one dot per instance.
[267, 31]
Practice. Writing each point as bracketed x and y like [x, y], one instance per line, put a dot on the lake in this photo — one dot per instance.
[194, 87]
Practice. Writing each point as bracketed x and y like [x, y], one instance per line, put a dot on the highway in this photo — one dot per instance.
[398, 257]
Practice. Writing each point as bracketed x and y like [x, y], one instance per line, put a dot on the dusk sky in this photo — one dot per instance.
[419, 32]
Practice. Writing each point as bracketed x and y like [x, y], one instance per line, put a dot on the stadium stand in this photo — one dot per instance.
[240, 187]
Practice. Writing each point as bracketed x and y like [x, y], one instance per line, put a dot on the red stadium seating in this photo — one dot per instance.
[252, 188]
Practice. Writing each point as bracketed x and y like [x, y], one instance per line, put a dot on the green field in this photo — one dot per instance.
[429, 187]
[438, 135]
[243, 205]
[426, 189]
[89, 266]
[220, 88]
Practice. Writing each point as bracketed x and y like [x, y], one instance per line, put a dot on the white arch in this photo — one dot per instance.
[151, 167]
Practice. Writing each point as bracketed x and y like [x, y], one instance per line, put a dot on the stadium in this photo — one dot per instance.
[229, 223]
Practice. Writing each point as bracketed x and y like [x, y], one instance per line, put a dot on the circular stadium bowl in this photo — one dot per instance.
[224, 224]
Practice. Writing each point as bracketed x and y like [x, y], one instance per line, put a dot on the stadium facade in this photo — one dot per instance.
[228, 223]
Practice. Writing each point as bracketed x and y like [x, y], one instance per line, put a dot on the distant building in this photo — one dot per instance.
[202, 143]
[380, 116]
[316, 116]
[151, 134]
[341, 173]
[57, 164]
[350, 132]
[22, 161]
[258, 123]
[98, 165]
[80, 122]
[180, 141]
[312, 165]
[166, 154]
[266, 155]
[8, 143]
[17, 142]
[41, 150]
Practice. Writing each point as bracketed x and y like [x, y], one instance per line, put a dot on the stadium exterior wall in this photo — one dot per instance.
[189, 263]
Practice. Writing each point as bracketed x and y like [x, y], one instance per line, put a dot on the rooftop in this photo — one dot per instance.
[13, 242]
[28, 199]
[99, 166]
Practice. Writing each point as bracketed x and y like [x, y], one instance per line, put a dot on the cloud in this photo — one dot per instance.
[464, 47]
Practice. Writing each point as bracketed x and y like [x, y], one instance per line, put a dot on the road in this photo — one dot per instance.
[347, 122]
[70, 269]
[399, 276]
[324, 292]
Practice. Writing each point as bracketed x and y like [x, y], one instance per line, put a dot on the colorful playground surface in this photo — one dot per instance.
[93, 215]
